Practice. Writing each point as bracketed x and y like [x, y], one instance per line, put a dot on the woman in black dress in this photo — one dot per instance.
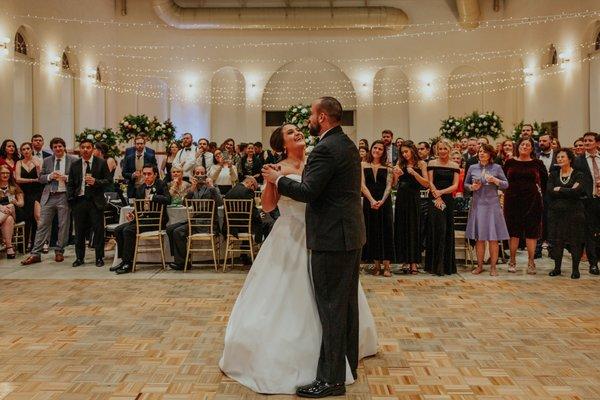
[411, 175]
[27, 172]
[377, 180]
[443, 181]
[167, 162]
[566, 216]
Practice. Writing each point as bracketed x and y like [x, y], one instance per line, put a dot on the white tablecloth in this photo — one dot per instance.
[176, 214]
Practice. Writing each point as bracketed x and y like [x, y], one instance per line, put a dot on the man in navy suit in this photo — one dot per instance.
[589, 164]
[37, 144]
[133, 164]
[130, 150]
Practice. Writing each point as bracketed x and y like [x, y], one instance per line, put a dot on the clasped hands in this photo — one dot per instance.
[271, 172]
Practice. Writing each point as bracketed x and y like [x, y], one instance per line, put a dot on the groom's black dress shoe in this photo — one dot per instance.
[319, 389]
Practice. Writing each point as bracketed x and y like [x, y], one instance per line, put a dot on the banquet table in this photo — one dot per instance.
[176, 214]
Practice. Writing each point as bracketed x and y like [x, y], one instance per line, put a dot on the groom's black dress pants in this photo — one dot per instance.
[335, 279]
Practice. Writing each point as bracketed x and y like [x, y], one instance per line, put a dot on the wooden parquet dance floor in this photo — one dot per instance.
[440, 338]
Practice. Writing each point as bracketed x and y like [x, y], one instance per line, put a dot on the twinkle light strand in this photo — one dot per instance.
[229, 101]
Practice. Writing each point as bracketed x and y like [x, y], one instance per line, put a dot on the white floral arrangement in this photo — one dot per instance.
[107, 136]
[133, 125]
[298, 115]
[452, 129]
[161, 131]
[486, 124]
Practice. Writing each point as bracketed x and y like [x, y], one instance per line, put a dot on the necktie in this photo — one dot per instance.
[203, 161]
[596, 171]
[88, 171]
[54, 183]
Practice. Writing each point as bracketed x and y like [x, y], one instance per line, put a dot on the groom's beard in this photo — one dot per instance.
[314, 130]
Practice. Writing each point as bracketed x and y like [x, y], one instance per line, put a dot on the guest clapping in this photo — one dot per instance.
[566, 215]
[486, 221]
[11, 197]
[377, 180]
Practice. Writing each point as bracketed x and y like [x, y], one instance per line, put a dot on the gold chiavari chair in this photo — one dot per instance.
[238, 216]
[19, 237]
[148, 224]
[201, 224]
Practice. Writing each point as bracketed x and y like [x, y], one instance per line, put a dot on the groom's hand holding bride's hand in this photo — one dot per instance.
[271, 172]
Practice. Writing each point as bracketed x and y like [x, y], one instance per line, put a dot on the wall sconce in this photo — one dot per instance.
[529, 77]
[565, 58]
[55, 64]
[4, 41]
[428, 87]
[91, 73]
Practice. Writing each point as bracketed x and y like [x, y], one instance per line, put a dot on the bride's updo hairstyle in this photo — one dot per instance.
[276, 142]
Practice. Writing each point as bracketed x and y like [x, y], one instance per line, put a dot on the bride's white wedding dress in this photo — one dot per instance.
[273, 338]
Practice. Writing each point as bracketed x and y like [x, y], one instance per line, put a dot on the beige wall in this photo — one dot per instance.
[34, 99]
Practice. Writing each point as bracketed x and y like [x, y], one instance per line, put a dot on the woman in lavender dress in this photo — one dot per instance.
[486, 221]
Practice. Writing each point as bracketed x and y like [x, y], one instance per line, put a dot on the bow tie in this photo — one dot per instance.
[188, 149]
[546, 155]
[148, 187]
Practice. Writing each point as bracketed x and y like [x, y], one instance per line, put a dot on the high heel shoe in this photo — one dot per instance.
[10, 256]
[387, 272]
[531, 269]
[512, 267]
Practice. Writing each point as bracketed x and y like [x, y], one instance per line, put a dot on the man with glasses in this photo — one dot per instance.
[202, 188]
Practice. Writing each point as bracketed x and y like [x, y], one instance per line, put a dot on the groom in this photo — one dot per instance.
[335, 234]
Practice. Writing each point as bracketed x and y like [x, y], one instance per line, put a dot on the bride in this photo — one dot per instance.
[273, 338]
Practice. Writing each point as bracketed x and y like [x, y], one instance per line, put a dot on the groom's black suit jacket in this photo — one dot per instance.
[331, 187]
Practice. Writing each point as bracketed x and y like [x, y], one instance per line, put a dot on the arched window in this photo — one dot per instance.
[65, 62]
[20, 44]
[597, 44]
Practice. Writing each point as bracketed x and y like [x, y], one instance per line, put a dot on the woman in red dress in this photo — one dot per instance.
[523, 204]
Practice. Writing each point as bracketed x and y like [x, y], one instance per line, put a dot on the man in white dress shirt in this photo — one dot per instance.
[54, 175]
[186, 157]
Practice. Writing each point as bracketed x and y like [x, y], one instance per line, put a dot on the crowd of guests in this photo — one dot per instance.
[529, 194]
[57, 194]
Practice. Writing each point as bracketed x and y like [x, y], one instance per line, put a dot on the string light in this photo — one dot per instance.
[120, 87]
[456, 57]
[456, 28]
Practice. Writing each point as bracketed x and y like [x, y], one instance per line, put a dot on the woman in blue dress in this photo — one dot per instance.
[486, 221]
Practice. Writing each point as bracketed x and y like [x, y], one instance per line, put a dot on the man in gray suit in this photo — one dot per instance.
[54, 175]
